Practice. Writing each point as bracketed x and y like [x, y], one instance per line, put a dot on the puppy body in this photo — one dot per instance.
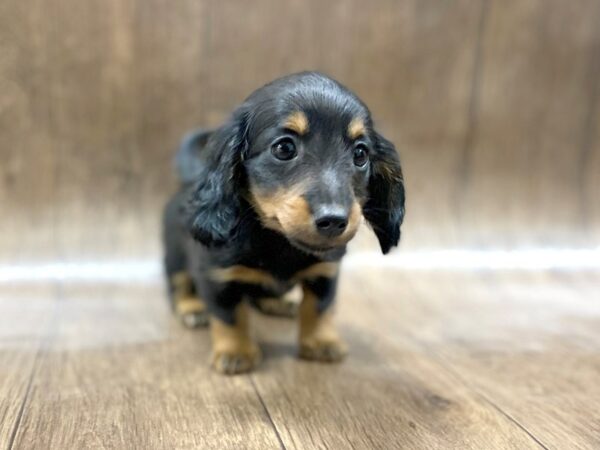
[270, 200]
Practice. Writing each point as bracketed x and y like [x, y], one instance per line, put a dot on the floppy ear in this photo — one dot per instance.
[384, 209]
[212, 211]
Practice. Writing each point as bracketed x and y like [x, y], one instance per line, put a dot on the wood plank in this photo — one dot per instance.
[96, 97]
[26, 317]
[120, 374]
[170, 78]
[589, 162]
[93, 116]
[390, 393]
[538, 79]
[528, 343]
[28, 165]
[437, 361]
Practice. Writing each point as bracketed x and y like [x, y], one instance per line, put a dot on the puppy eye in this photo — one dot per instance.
[284, 149]
[361, 155]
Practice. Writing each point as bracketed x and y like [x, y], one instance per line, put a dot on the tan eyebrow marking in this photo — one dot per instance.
[297, 122]
[356, 128]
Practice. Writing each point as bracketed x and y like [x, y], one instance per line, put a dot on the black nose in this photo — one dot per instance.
[331, 222]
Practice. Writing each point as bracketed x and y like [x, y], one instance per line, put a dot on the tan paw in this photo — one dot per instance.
[233, 348]
[231, 363]
[324, 350]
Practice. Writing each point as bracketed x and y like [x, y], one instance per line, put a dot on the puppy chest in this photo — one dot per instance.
[275, 280]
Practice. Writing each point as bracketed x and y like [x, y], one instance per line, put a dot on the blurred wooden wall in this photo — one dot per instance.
[494, 105]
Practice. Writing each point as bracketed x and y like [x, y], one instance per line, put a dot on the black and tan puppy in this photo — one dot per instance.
[269, 200]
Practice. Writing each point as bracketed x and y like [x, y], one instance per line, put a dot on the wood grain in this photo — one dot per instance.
[28, 185]
[522, 172]
[118, 373]
[439, 360]
[493, 105]
[589, 163]
[528, 344]
[388, 394]
[26, 322]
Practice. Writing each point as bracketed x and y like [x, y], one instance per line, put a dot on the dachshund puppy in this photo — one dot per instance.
[268, 201]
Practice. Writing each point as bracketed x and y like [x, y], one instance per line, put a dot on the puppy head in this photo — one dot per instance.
[303, 153]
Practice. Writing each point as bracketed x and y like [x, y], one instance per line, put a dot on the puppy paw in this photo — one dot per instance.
[234, 362]
[324, 350]
[234, 351]
[192, 312]
[195, 320]
[189, 308]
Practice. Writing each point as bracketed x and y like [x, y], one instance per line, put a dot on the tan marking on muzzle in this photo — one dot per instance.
[288, 212]
[297, 122]
[285, 210]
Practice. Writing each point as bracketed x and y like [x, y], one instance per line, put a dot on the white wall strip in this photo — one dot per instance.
[150, 270]
[523, 259]
[83, 271]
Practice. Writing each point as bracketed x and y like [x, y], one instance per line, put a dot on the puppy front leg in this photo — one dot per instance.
[319, 339]
[187, 306]
[233, 350]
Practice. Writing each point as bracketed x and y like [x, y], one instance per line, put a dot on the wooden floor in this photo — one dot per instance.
[438, 360]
